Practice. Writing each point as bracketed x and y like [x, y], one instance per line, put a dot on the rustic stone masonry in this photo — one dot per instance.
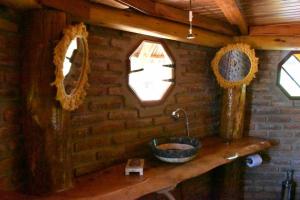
[272, 115]
[10, 137]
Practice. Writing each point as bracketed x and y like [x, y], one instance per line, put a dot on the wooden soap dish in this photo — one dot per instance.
[135, 166]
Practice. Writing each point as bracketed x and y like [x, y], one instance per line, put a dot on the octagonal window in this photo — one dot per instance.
[289, 75]
[151, 71]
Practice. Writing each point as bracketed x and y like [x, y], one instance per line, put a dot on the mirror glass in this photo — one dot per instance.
[234, 65]
[73, 63]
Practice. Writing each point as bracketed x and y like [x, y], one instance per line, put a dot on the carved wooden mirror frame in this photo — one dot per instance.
[71, 101]
[245, 48]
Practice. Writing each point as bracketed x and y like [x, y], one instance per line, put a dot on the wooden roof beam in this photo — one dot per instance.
[171, 13]
[233, 14]
[21, 4]
[137, 23]
[111, 3]
[290, 29]
[271, 42]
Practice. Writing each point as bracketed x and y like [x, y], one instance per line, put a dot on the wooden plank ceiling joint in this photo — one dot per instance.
[233, 14]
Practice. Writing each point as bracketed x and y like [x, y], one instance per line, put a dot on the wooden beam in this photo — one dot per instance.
[233, 14]
[168, 12]
[291, 29]
[111, 3]
[21, 4]
[271, 42]
[78, 8]
[45, 123]
[8, 26]
[137, 23]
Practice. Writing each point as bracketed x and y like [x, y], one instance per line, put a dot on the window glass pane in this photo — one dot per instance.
[150, 83]
[292, 66]
[288, 84]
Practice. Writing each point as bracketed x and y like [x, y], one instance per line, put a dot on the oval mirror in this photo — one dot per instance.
[235, 65]
[72, 67]
[73, 64]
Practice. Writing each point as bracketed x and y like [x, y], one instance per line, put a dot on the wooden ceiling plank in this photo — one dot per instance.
[178, 15]
[291, 29]
[137, 23]
[233, 14]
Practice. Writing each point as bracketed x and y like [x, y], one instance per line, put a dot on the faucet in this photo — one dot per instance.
[175, 114]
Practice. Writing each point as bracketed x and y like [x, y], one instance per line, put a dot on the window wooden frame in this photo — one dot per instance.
[279, 73]
[168, 91]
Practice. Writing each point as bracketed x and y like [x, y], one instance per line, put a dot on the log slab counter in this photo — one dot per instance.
[112, 184]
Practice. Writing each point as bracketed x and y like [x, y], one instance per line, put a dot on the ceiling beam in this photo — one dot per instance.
[233, 14]
[171, 13]
[21, 4]
[291, 29]
[128, 21]
[271, 42]
[112, 3]
[137, 23]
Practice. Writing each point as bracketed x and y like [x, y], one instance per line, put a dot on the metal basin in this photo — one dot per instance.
[176, 149]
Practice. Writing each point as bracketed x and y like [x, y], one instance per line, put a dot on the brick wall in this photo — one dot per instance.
[112, 126]
[9, 103]
[272, 115]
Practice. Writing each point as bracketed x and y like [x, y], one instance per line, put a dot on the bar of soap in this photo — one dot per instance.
[135, 166]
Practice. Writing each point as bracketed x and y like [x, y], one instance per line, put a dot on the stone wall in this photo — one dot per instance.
[10, 137]
[272, 115]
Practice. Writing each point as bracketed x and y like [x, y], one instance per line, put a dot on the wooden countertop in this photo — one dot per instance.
[112, 184]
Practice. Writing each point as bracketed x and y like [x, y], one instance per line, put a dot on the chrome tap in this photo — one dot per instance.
[176, 115]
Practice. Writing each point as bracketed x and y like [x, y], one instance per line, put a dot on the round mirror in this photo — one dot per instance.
[72, 67]
[73, 64]
[235, 65]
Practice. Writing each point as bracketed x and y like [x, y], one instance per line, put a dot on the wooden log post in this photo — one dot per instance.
[47, 140]
[229, 177]
[233, 113]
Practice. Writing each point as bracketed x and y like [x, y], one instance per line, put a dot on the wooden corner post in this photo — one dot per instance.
[47, 139]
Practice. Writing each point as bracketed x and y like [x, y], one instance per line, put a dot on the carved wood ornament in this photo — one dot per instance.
[75, 98]
[244, 49]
